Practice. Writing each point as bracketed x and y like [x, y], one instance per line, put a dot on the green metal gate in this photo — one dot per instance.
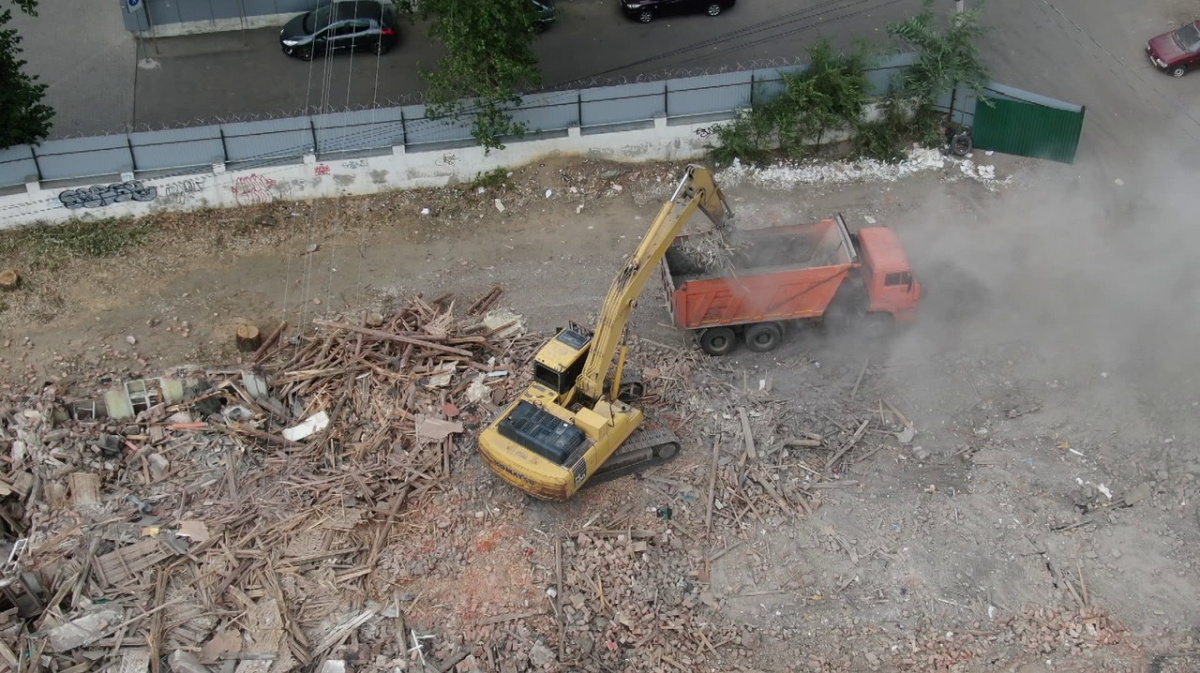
[1017, 122]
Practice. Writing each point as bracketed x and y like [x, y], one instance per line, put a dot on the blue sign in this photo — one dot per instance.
[133, 5]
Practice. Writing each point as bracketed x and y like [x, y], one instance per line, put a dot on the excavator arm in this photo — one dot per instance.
[697, 190]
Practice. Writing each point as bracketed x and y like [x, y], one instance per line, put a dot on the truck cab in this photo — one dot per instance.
[886, 274]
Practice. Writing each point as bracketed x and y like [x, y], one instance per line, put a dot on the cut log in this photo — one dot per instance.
[9, 280]
[248, 338]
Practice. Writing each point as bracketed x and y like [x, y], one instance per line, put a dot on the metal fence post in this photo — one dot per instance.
[312, 130]
[403, 131]
[751, 88]
[36, 164]
[579, 108]
[666, 100]
[224, 147]
[132, 156]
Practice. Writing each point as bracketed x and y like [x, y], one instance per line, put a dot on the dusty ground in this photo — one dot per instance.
[1048, 381]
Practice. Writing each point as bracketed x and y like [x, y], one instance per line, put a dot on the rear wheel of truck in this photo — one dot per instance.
[763, 337]
[717, 340]
[877, 325]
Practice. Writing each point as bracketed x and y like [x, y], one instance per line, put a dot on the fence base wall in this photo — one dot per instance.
[325, 178]
[215, 26]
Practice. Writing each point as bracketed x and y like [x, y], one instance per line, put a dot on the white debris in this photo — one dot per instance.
[861, 170]
[311, 426]
[1119, 182]
[131, 340]
[424, 211]
[499, 206]
[504, 323]
[869, 219]
[549, 193]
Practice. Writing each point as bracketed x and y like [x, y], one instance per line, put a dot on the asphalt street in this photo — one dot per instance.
[245, 75]
[1084, 51]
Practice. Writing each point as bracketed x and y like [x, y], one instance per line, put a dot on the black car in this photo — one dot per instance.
[341, 26]
[646, 10]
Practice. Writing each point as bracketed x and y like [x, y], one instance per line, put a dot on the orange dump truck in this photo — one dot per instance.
[765, 279]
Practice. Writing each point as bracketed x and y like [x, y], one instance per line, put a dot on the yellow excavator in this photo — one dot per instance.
[574, 424]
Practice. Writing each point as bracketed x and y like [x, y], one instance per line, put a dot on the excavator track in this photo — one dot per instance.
[644, 449]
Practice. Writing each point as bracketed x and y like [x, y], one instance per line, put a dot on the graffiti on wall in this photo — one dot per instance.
[253, 189]
[708, 131]
[321, 169]
[355, 165]
[98, 196]
[180, 192]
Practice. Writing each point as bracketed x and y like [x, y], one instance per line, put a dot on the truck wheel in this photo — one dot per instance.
[763, 337]
[717, 340]
[877, 325]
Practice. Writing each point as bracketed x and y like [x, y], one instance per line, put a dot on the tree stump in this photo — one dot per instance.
[248, 338]
[9, 280]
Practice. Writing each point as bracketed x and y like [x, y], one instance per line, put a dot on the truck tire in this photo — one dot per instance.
[762, 337]
[877, 325]
[717, 340]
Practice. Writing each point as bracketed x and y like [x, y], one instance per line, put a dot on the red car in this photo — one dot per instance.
[1177, 51]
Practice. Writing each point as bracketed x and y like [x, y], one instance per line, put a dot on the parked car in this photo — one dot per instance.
[543, 14]
[350, 25]
[646, 10]
[1178, 51]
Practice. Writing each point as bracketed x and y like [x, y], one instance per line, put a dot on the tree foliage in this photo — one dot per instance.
[23, 116]
[489, 61]
[947, 55]
[829, 95]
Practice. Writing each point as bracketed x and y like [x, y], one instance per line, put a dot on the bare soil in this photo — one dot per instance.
[1042, 518]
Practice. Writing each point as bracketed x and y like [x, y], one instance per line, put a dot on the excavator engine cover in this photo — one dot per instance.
[541, 432]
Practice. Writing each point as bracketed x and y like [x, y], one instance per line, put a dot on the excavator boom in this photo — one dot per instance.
[700, 191]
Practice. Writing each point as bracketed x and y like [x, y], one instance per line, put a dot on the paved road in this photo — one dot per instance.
[82, 52]
[1085, 51]
[232, 74]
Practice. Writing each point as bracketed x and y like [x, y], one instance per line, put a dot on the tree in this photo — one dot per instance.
[946, 56]
[23, 116]
[489, 61]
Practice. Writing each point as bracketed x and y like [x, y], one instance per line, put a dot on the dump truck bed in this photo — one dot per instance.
[781, 273]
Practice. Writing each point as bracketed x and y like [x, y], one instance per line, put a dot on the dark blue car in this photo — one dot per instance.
[647, 10]
[350, 25]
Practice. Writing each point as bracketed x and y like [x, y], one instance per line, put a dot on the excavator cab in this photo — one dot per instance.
[560, 362]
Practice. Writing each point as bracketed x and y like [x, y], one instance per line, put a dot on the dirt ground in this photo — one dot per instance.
[1042, 518]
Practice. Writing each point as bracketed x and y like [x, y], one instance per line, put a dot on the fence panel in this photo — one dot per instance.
[231, 9]
[883, 76]
[177, 148]
[622, 104]
[163, 12]
[84, 157]
[266, 142]
[17, 166]
[1028, 129]
[360, 130]
[548, 112]
[420, 130]
[708, 94]
[768, 82]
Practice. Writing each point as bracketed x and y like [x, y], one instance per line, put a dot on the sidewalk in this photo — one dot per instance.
[82, 52]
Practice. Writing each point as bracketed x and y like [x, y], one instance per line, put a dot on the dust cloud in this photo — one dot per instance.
[1092, 271]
